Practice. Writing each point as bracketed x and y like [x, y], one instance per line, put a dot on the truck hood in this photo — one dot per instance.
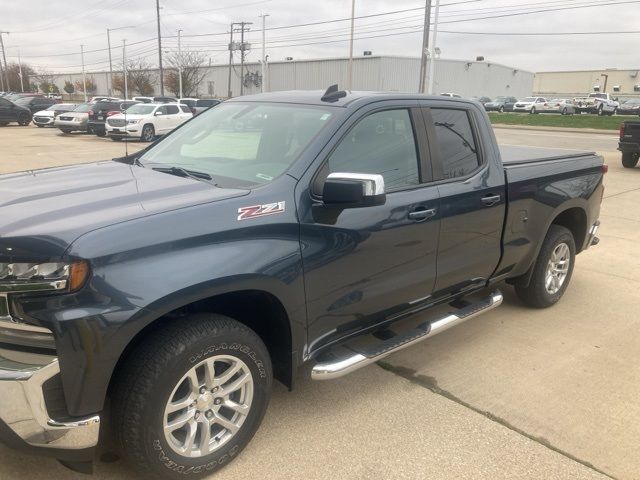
[42, 212]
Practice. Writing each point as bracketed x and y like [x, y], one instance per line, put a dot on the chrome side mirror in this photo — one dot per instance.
[352, 190]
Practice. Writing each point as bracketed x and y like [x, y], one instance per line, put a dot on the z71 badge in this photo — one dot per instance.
[245, 213]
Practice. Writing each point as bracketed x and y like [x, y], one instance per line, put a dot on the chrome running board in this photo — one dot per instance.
[345, 359]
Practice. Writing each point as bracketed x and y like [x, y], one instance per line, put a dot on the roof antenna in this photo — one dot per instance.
[333, 94]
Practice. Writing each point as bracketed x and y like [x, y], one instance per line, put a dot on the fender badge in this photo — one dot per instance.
[245, 213]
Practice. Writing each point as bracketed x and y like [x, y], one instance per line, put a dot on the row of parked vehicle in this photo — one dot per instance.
[143, 118]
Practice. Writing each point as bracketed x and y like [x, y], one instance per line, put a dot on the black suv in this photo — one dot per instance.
[10, 112]
[101, 110]
[35, 104]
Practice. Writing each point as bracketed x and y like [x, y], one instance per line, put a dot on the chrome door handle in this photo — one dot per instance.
[491, 200]
[422, 214]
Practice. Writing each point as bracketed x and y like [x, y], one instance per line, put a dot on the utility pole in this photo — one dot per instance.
[84, 77]
[124, 67]
[230, 60]
[350, 72]
[242, 50]
[432, 62]
[110, 82]
[4, 59]
[179, 64]
[424, 56]
[264, 56]
[160, 49]
[20, 73]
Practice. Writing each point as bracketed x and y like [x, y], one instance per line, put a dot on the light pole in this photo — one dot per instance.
[264, 56]
[350, 69]
[179, 64]
[20, 72]
[160, 48]
[84, 77]
[424, 55]
[124, 67]
[109, 30]
[432, 62]
[4, 59]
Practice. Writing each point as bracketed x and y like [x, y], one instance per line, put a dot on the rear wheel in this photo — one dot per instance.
[501, 110]
[564, 111]
[533, 111]
[629, 160]
[552, 270]
[601, 110]
[192, 396]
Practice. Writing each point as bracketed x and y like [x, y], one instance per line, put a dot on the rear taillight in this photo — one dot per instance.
[605, 168]
[91, 113]
[622, 130]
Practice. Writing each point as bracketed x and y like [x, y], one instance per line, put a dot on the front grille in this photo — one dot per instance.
[42, 119]
[116, 122]
[67, 119]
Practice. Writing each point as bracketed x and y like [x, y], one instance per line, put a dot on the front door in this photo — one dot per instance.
[6, 114]
[363, 266]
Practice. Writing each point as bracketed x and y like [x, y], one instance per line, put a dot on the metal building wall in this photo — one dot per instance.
[398, 74]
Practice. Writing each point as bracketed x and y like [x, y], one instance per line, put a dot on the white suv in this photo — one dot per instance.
[147, 120]
[529, 104]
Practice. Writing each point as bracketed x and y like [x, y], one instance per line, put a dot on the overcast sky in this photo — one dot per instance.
[49, 36]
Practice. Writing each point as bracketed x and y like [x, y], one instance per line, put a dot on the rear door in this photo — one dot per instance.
[6, 114]
[173, 117]
[161, 122]
[472, 196]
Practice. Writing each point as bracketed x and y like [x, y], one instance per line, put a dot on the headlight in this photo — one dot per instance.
[132, 122]
[29, 277]
[76, 119]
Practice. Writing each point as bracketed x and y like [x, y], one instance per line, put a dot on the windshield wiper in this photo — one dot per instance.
[182, 172]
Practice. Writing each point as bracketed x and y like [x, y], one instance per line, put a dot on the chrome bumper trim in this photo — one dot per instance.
[23, 408]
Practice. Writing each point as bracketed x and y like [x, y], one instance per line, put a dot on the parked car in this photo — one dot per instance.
[35, 104]
[189, 102]
[55, 96]
[143, 99]
[47, 116]
[146, 121]
[452, 95]
[181, 280]
[562, 106]
[629, 107]
[11, 112]
[629, 143]
[204, 104]
[74, 121]
[103, 109]
[501, 104]
[529, 105]
[599, 103]
[482, 100]
[164, 100]
[104, 99]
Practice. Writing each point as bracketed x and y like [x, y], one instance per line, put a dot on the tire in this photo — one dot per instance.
[501, 110]
[600, 110]
[148, 133]
[65, 130]
[536, 293]
[157, 373]
[629, 160]
[24, 120]
[4, 124]
[564, 111]
[533, 111]
[39, 126]
[101, 133]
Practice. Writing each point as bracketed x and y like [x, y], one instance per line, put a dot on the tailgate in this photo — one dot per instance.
[631, 132]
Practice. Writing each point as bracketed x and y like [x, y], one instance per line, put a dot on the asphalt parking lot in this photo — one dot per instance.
[515, 393]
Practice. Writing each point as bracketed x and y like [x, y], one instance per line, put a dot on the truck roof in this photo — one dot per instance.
[314, 97]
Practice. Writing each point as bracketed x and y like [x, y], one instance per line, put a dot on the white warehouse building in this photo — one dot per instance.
[378, 73]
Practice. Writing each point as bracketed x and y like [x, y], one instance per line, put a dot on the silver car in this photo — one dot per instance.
[47, 116]
[562, 106]
[74, 121]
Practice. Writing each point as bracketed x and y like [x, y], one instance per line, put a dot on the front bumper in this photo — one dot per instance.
[130, 131]
[43, 120]
[23, 407]
[71, 125]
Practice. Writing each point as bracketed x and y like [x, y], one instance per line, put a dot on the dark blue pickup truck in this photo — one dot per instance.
[155, 297]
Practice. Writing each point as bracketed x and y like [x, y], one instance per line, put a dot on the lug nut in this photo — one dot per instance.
[209, 414]
[196, 415]
[214, 389]
[217, 401]
[203, 390]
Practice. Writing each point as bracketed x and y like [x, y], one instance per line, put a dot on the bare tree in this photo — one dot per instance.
[140, 78]
[46, 81]
[13, 72]
[91, 85]
[193, 72]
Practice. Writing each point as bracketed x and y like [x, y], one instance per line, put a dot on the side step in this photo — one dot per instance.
[342, 360]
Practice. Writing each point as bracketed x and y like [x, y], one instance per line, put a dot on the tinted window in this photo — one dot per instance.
[191, 103]
[206, 103]
[162, 109]
[4, 103]
[381, 143]
[455, 141]
[172, 109]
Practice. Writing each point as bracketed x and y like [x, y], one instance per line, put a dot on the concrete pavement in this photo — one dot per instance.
[516, 393]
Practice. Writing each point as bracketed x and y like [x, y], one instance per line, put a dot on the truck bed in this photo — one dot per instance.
[513, 155]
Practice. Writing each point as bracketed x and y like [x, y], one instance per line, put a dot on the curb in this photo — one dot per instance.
[555, 129]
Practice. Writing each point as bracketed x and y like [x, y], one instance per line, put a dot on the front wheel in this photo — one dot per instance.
[24, 120]
[192, 396]
[148, 133]
[600, 110]
[629, 160]
[552, 270]
[533, 110]
[501, 110]
[564, 111]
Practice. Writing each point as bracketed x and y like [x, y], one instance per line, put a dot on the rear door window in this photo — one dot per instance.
[172, 109]
[455, 142]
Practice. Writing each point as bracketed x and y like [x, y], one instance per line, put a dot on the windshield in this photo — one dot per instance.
[23, 101]
[241, 144]
[501, 99]
[597, 95]
[633, 101]
[190, 103]
[141, 109]
[83, 108]
[206, 103]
